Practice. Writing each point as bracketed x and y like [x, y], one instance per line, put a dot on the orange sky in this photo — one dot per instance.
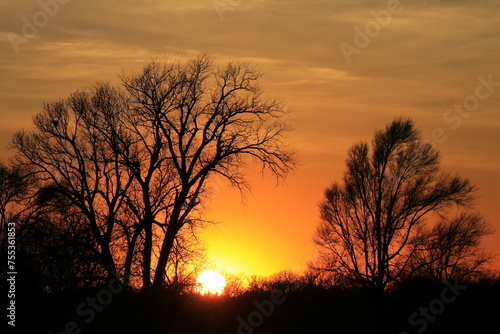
[426, 58]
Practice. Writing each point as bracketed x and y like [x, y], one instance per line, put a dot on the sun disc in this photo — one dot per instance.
[211, 282]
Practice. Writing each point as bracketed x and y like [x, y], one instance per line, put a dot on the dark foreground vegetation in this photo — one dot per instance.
[421, 306]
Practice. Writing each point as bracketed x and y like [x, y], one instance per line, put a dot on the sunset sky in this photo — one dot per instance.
[421, 59]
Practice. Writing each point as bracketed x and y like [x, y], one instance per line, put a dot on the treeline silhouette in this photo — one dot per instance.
[305, 304]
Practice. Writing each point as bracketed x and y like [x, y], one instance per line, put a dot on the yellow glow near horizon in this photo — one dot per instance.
[211, 282]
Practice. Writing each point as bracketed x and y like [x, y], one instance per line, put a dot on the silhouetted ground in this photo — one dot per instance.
[315, 310]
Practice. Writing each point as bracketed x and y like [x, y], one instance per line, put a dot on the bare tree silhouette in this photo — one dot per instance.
[70, 152]
[388, 192]
[212, 120]
[136, 163]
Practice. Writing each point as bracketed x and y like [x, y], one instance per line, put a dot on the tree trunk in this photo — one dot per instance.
[108, 262]
[146, 256]
[166, 248]
[130, 253]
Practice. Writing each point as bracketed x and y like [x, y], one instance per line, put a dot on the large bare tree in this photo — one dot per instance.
[390, 189]
[213, 120]
[137, 163]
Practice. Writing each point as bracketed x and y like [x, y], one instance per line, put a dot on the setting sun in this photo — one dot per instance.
[210, 281]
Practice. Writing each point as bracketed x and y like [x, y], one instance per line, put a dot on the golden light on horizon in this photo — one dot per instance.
[210, 282]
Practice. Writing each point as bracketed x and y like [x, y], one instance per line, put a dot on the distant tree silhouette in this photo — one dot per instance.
[285, 281]
[135, 164]
[235, 284]
[372, 221]
[15, 183]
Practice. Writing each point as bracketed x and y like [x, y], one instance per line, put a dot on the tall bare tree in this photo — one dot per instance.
[136, 163]
[389, 189]
[213, 120]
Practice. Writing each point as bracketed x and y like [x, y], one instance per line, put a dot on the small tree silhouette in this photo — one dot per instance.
[14, 189]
